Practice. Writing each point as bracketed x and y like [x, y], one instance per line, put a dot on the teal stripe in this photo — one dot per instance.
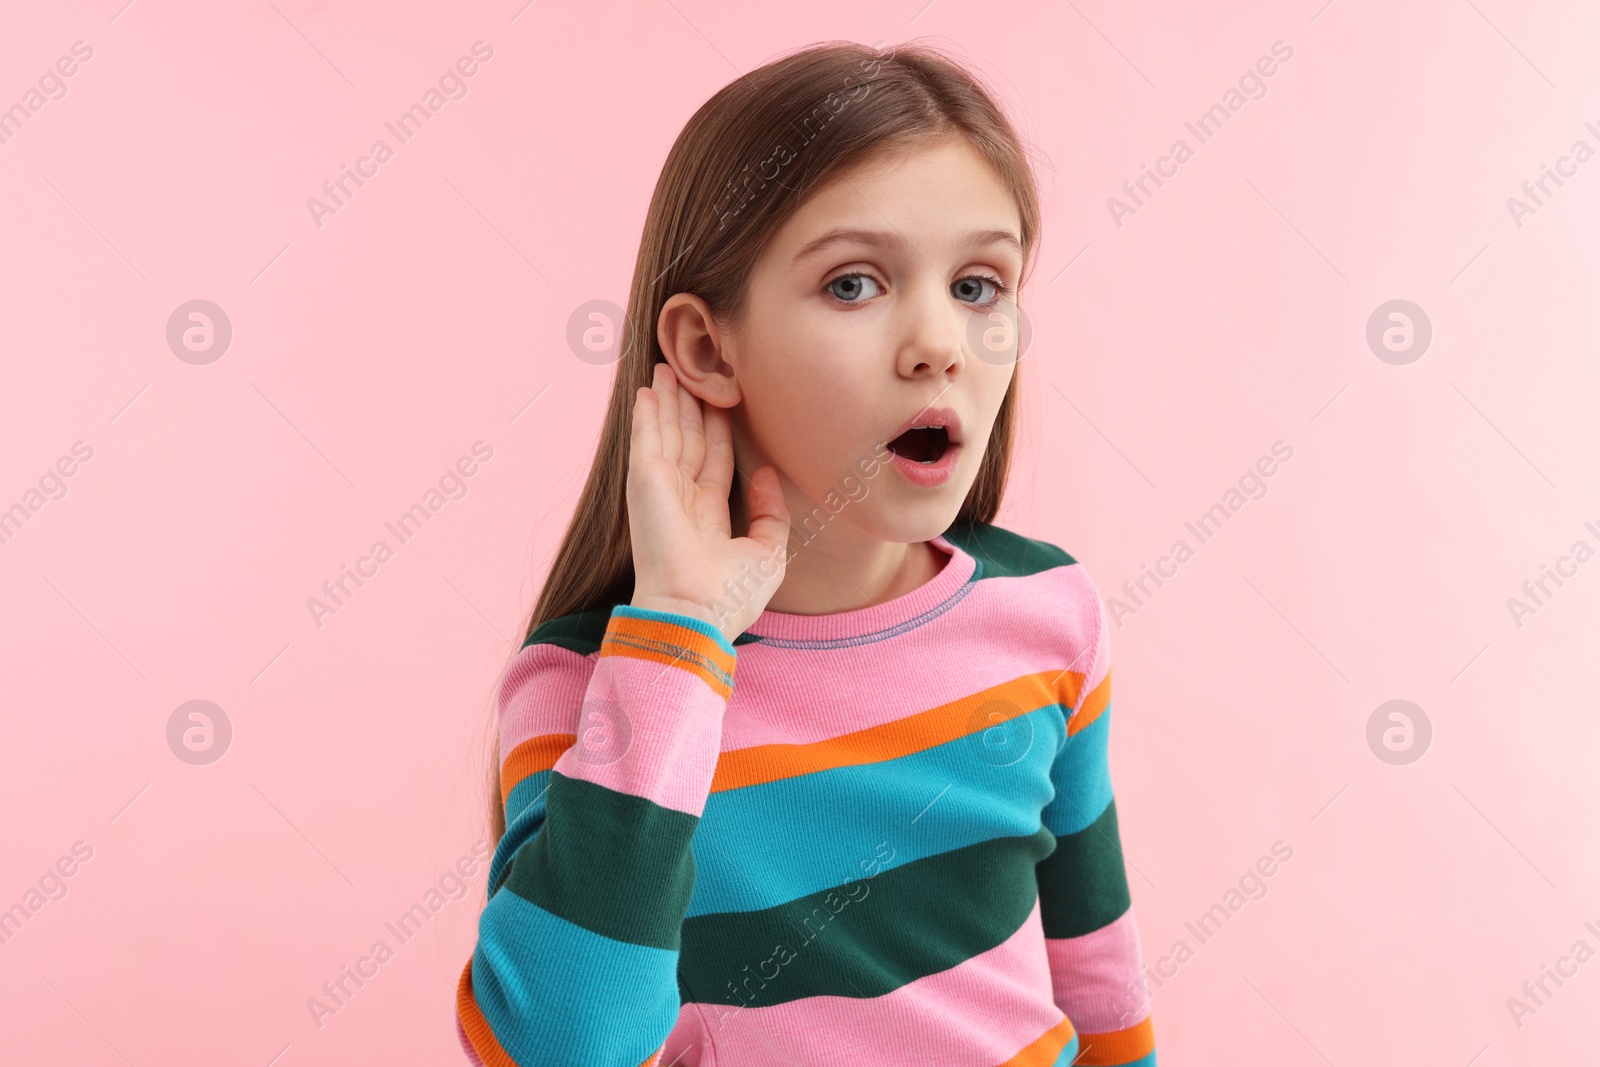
[555, 993]
[526, 793]
[1082, 778]
[1068, 1054]
[525, 811]
[1143, 1061]
[848, 823]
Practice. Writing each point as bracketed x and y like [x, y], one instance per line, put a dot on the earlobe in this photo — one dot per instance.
[696, 348]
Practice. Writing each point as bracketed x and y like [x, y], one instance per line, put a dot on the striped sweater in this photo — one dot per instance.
[884, 836]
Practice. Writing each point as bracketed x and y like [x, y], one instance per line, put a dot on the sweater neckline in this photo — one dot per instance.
[877, 620]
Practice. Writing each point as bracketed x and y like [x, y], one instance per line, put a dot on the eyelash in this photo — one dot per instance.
[1001, 288]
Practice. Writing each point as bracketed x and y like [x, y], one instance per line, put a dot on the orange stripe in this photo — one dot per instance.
[484, 1043]
[650, 1059]
[1092, 706]
[969, 715]
[1118, 1046]
[673, 645]
[1047, 1049]
[530, 757]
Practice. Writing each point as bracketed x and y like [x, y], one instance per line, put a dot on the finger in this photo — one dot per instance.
[769, 512]
[646, 437]
[666, 389]
[693, 430]
[716, 473]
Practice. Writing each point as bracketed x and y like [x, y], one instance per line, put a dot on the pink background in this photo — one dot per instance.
[369, 354]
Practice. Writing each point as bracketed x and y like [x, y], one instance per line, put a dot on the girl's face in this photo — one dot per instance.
[864, 313]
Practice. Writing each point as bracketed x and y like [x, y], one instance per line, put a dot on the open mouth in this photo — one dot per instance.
[924, 445]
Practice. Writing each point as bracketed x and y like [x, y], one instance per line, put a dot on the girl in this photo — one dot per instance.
[803, 759]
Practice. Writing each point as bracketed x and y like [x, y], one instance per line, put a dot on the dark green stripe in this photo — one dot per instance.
[1003, 553]
[613, 863]
[866, 938]
[581, 632]
[1082, 885]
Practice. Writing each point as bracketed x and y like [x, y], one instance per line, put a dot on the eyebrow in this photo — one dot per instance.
[891, 239]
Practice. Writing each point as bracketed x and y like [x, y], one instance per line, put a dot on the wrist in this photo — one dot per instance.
[677, 607]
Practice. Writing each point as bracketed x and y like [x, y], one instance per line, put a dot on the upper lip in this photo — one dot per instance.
[941, 417]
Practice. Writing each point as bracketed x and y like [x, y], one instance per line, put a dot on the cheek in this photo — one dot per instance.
[990, 396]
[818, 426]
[780, 402]
[818, 431]
[814, 389]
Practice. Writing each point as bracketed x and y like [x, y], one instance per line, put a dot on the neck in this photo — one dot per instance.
[838, 567]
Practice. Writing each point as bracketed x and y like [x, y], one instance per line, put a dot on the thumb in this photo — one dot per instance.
[769, 512]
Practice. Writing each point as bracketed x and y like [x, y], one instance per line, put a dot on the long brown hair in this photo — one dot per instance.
[742, 165]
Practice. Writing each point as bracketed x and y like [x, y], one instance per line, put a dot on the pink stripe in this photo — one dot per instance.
[978, 1013]
[686, 1045]
[542, 693]
[1095, 977]
[952, 574]
[653, 731]
[1100, 659]
[1005, 628]
[472, 1053]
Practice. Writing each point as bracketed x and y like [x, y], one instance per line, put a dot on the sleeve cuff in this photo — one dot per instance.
[672, 640]
[689, 622]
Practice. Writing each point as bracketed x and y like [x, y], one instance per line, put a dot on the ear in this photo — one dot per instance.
[696, 348]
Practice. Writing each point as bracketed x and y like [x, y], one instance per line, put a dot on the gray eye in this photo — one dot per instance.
[847, 287]
[970, 289]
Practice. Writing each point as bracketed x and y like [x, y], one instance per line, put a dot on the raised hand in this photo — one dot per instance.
[679, 473]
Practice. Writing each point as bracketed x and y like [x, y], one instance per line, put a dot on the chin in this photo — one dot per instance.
[920, 518]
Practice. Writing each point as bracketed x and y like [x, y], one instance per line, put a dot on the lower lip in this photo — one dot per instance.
[929, 475]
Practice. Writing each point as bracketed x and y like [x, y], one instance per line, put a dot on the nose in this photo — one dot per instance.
[934, 339]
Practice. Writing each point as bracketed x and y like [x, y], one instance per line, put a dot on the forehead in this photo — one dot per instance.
[943, 195]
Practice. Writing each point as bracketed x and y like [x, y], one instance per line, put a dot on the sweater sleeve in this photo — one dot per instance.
[606, 764]
[1091, 937]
